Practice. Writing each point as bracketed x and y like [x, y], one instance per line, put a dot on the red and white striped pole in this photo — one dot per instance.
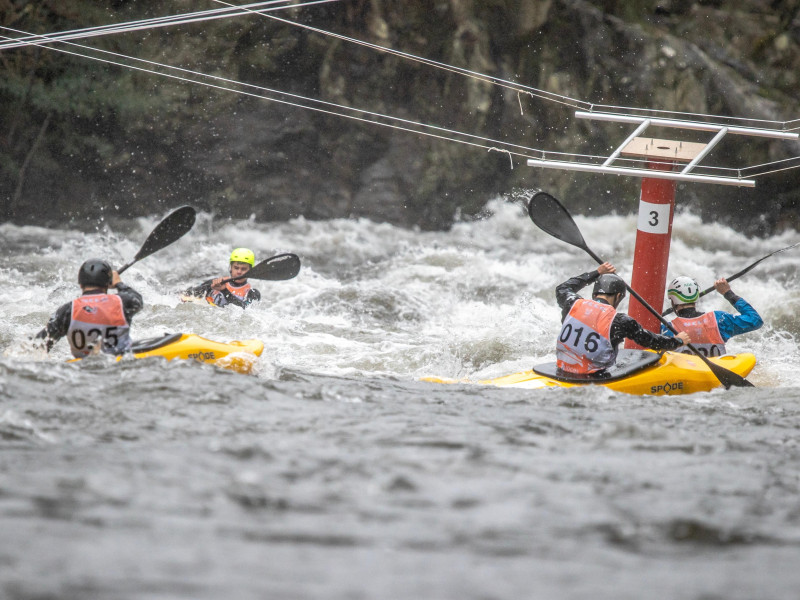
[651, 254]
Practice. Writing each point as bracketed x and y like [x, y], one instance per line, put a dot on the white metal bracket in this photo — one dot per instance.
[663, 151]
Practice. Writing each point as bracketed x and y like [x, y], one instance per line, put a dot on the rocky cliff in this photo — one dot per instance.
[81, 137]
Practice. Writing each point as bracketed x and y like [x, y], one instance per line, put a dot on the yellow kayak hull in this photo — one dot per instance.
[673, 374]
[239, 356]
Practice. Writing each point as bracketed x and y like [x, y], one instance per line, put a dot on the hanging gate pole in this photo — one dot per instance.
[651, 253]
[654, 225]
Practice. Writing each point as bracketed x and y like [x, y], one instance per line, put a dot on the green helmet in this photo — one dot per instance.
[243, 255]
[683, 290]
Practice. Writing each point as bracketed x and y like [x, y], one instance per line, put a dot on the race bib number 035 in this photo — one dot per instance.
[653, 218]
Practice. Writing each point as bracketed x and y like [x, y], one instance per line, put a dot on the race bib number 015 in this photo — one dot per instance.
[653, 218]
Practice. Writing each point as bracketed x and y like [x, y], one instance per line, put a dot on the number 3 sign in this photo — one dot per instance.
[653, 218]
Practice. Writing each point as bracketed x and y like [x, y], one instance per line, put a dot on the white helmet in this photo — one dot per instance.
[683, 290]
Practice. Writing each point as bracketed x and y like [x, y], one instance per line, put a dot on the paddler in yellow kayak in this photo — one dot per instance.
[709, 331]
[96, 316]
[224, 291]
[592, 329]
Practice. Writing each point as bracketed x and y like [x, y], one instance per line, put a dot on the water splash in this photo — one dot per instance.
[376, 300]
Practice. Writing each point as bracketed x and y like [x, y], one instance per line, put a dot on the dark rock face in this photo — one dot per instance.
[81, 138]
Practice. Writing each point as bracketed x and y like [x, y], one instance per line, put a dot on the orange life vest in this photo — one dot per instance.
[97, 317]
[703, 334]
[584, 344]
[240, 292]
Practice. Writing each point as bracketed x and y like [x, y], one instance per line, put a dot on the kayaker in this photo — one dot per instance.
[709, 331]
[96, 315]
[592, 329]
[237, 292]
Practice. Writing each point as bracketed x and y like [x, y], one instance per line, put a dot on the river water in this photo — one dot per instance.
[334, 472]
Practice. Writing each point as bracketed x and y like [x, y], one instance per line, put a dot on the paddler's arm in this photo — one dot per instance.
[200, 291]
[253, 296]
[730, 325]
[229, 297]
[233, 300]
[57, 326]
[226, 297]
[567, 292]
[624, 326]
[132, 301]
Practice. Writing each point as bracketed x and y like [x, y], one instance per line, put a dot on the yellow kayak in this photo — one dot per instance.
[237, 356]
[636, 372]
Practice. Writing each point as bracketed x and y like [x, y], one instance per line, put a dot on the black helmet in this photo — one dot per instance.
[610, 284]
[95, 272]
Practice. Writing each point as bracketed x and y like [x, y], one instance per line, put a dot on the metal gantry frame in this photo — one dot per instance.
[663, 150]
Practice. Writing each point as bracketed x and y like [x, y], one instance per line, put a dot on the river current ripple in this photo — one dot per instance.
[334, 472]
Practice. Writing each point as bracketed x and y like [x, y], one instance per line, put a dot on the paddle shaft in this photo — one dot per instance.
[633, 293]
[737, 275]
[229, 279]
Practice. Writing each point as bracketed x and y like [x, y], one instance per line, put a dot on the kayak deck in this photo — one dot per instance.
[239, 356]
[640, 372]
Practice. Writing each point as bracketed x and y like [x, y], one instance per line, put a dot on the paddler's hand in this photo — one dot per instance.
[683, 337]
[606, 268]
[217, 284]
[722, 286]
[114, 279]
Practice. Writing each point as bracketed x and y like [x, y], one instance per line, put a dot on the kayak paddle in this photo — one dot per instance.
[550, 216]
[737, 275]
[174, 226]
[276, 268]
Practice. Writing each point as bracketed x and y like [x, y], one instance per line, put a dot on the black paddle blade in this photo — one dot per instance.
[277, 268]
[726, 377]
[174, 226]
[550, 216]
